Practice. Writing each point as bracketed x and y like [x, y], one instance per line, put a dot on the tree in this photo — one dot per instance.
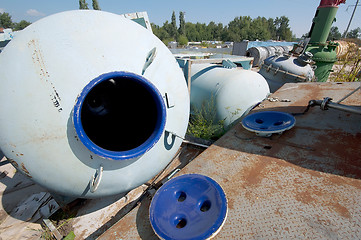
[182, 40]
[21, 25]
[173, 26]
[355, 33]
[5, 20]
[272, 28]
[83, 4]
[283, 30]
[96, 5]
[334, 34]
[259, 29]
[182, 23]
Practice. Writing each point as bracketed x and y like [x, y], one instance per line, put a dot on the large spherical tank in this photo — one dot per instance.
[281, 69]
[230, 93]
[88, 101]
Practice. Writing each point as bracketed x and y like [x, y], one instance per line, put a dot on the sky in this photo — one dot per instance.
[299, 12]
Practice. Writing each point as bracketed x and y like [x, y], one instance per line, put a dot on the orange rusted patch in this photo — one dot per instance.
[25, 171]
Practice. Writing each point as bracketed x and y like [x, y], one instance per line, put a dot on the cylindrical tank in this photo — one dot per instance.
[261, 53]
[278, 70]
[89, 103]
[229, 93]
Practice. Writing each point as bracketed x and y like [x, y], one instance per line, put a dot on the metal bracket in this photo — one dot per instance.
[324, 103]
[96, 178]
[169, 101]
[150, 57]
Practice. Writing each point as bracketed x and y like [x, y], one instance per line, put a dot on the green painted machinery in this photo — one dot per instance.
[324, 53]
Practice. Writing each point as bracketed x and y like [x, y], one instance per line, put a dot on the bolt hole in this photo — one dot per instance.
[181, 196]
[259, 121]
[278, 123]
[181, 223]
[205, 206]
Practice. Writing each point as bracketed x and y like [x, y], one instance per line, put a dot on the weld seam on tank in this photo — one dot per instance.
[80, 118]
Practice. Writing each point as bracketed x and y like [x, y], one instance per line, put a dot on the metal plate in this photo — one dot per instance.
[303, 184]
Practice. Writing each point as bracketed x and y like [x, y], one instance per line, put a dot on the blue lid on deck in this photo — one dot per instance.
[190, 206]
[268, 122]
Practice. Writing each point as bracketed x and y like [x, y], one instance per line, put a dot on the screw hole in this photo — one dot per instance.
[181, 196]
[181, 223]
[267, 147]
[259, 121]
[205, 206]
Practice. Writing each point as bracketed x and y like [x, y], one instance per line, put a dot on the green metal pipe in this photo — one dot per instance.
[322, 23]
[324, 54]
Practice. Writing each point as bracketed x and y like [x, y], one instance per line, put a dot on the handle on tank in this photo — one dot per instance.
[96, 178]
[150, 57]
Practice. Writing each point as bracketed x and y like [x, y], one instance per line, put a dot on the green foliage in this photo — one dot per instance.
[21, 25]
[95, 5]
[83, 4]
[283, 30]
[5, 20]
[182, 40]
[241, 28]
[181, 29]
[355, 33]
[167, 40]
[334, 34]
[172, 28]
[202, 124]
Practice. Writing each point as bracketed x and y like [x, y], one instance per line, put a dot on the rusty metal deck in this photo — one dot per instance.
[303, 184]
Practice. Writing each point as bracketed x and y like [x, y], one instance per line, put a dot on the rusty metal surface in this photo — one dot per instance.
[303, 184]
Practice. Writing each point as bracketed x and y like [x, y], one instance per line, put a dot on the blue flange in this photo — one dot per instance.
[268, 122]
[190, 206]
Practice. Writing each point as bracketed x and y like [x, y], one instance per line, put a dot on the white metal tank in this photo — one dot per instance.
[89, 101]
[231, 92]
[285, 68]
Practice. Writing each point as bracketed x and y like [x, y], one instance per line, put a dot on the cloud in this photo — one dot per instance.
[34, 13]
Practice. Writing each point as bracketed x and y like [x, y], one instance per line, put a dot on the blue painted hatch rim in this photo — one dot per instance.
[268, 122]
[135, 152]
[170, 187]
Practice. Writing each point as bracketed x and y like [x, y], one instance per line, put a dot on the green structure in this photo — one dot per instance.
[324, 53]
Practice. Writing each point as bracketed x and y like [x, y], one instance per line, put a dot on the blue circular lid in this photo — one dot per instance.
[190, 206]
[268, 122]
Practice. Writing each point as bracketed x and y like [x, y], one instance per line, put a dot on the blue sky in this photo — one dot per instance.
[299, 12]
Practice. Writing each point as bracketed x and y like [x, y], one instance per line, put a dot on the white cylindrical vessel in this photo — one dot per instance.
[230, 92]
[90, 101]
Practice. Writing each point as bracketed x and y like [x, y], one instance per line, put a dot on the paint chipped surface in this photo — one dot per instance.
[25, 171]
[303, 184]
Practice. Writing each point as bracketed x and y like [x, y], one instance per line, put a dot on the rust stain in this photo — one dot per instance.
[38, 60]
[23, 168]
[341, 210]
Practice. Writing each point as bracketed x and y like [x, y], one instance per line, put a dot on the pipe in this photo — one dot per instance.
[326, 103]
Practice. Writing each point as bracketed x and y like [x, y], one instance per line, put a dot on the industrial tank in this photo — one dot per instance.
[261, 53]
[91, 104]
[229, 93]
[285, 68]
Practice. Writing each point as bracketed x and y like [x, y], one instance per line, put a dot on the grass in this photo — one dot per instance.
[202, 122]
